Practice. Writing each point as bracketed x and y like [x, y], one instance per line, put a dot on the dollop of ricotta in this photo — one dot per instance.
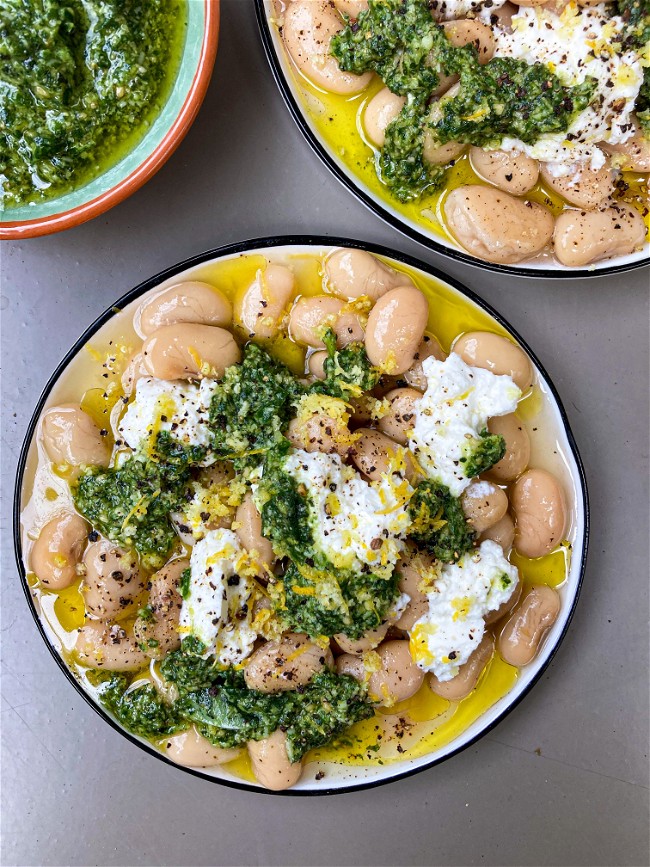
[357, 525]
[578, 43]
[449, 10]
[450, 416]
[462, 594]
[219, 609]
[181, 408]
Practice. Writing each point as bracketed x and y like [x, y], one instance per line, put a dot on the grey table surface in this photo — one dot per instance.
[563, 779]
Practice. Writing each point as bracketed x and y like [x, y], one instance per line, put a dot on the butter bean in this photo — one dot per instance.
[484, 504]
[368, 641]
[188, 351]
[467, 31]
[271, 764]
[632, 155]
[496, 354]
[286, 664]
[503, 533]
[411, 569]
[261, 308]
[308, 28]
[158, 634]
[517, 454]
[352, 274]
[374, 453]
[249, 530]
[57, 552]
[316, 364]
[395, 329]
[381, 110]
[398, 678]
[496, 227]
[184, 302]
[110, 646]
[464, 683]
[539, 504]
[70, 436]
[522, 635]
[583, 237]
[112, 580]
[581, 186]
[427, 349]
[191, 750]
[310, 316]
[514, 173]
[320, 433]
[401, 416]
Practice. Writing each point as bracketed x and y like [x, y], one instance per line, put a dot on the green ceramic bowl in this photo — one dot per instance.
[148, 155]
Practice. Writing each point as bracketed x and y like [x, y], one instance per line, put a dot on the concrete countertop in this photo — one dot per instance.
[564, 779]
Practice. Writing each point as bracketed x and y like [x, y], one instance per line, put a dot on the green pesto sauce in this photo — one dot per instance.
[228, 713]
[81, 81]
[439, 524]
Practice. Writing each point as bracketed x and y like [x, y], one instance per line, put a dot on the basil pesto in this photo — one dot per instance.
[80, 81]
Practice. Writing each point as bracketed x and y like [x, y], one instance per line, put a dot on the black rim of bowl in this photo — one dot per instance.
[354, 186]
[244, 247]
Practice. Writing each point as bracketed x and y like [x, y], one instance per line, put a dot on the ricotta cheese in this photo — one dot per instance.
[181, 408]
[449, 10]
[462, 594]
[219, 609]
[576, 44]
[450, 416]
[356, 524]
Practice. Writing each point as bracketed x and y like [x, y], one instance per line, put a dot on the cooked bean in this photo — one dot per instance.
[427, 349]
[352, 8]
[539, 505]
[70, 436]
[464, 683]
[316, 363]
[192, 750]
[260, 309]
[484, 504]
[308, 28]
[466, 31]
[517, 454]
[320, 433]
[271, 764]
[188, 351]
[309, 318]
[503, 533]
[395, 329]
[632, 155]
[495, 226]
[496, 354]
[582, 187]
[134, 371]
[112, 580]
[373, 453]
[288, 663]
[157, 633]
[505, 607]
[355, 273]
[398, 678]
[381, 110]
[411, 570]
[583, 237]
[440, 154]
[249, 530]
[400, 418]
[110, 646]
[57, 552]
[368, 641]
[522, 635]
[514, 173]
[185, 302]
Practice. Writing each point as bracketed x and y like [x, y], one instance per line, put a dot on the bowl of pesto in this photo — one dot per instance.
[514, 137]
[94, 98]
[301, 514]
